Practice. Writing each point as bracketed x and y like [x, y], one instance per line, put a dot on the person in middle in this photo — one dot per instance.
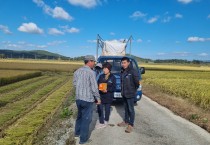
[107, 85]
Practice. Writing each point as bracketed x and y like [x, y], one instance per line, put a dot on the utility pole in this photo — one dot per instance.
[130, 39]
[97, 41]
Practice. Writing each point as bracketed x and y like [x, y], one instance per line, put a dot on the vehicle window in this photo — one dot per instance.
[116, 64]
[134, 65]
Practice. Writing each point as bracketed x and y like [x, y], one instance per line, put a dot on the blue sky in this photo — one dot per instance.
[162, 29]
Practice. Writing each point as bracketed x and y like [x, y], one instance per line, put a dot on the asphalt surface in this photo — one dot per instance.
[154, 125]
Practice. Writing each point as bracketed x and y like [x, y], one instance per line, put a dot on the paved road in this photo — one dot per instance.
[154, 125]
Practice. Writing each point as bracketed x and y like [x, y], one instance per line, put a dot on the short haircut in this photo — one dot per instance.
[125, 58]
[108, 66]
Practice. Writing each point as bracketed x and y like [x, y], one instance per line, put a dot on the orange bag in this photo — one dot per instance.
[102, 86]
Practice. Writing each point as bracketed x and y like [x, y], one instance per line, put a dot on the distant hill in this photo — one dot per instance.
[42, 54]
[33, 54]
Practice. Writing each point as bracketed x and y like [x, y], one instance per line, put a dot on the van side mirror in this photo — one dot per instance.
[142, 70]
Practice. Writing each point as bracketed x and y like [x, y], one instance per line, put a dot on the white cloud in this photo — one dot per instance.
[60, 13]
[152, 20]
[24, 45]
[161, 53]
[181, 53]
[14, 46]
[21, 42]
[139, 40]
[185, 1]
[203, 54]
[18, 45]
[112, 33]
[166, 19]
[197, 39]
[137, 14]
[85, 3]
[73, 30]
[5, 29]
[41, 46]
[178, 15]
[6, 42]
[57, 12]
[30, 28]
[54, 31]
[53, 43]
[176, 54]
[69, 30]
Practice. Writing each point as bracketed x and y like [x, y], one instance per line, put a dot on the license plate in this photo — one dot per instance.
[117, 95]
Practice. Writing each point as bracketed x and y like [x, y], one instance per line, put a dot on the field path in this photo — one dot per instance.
[154, 125]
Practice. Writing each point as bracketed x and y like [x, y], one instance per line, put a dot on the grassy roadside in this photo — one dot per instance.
[179, 106]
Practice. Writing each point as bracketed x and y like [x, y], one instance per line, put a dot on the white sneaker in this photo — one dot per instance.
[100, 126]
[106, 122]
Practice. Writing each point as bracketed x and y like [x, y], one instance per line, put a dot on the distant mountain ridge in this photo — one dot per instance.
[32, 54]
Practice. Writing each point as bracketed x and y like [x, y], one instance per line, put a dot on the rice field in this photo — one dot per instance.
[27, 105]
[13, 73]
[11, 76]
[168, 67]
[191, 85]
[39, 65]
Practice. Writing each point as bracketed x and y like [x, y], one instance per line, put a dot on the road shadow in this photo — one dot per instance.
[119, 108]
[95, 119]
[119, 105]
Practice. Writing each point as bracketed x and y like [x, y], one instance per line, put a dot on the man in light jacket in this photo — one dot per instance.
[86, 92]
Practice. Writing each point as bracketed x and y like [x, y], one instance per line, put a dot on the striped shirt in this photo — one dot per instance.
[85, 83]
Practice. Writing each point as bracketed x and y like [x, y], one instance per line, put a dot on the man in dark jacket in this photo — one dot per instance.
[129, 85]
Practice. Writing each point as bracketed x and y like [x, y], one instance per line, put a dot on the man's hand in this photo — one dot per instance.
[98, 102]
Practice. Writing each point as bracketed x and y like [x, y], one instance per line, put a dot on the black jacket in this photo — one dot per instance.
[129, 82]
[111, 86]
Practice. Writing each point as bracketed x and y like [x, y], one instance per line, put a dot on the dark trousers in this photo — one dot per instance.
[101, 108]
[84, 119]
[129, 110]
